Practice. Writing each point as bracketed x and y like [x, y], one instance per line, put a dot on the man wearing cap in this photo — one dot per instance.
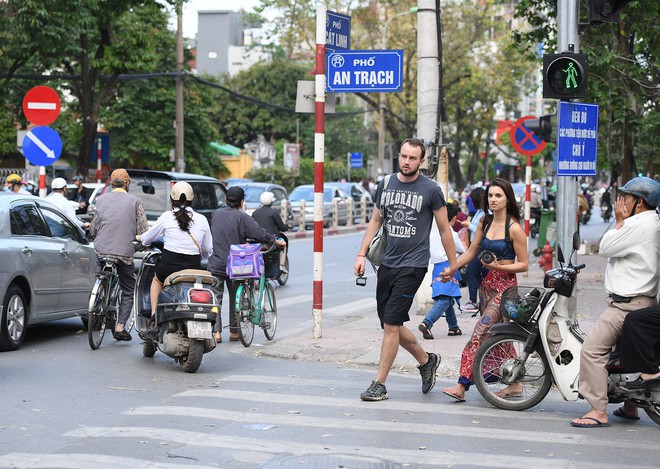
[58, 198]
[119, 217]
[230, 225]
[82, 195]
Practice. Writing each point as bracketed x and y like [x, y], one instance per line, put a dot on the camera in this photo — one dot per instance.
[486, 257]
[361, 281]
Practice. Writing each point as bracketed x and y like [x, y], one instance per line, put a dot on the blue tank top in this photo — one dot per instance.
[502, 248]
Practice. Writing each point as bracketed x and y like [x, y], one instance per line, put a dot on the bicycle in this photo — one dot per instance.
[104, 303]
[256, 306]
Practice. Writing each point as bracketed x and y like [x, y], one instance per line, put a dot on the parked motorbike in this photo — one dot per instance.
[534, 221]
[515, 367]
[185, 315]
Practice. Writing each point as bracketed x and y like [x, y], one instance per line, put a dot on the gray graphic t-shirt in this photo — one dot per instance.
[408, 211]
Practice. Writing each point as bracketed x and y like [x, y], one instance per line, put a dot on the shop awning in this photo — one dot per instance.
[225, 148]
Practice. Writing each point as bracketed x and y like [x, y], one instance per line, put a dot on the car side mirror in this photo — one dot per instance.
[148, 189]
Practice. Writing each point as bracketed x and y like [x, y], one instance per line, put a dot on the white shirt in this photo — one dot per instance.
[438, 253]
[634, 254]
[179, 241]
[64, 204]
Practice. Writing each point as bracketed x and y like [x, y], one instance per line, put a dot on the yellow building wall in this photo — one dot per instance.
[238, 166]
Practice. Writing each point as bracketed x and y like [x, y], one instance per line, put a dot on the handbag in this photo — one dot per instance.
[376, 249]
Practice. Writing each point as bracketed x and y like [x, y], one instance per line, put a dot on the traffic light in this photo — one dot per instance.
[543, 127]
[605, 11]
[564, 76]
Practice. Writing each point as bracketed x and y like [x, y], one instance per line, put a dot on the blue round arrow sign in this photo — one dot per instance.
[42, 146]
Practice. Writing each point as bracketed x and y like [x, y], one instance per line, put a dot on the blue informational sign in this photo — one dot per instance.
[577, 139]
[337, 31]
[364, 71]
[498, 167]
[42, 146]
[105, 149]
[356, 160]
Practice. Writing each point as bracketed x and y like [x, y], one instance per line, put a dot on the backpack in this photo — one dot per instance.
[245, 261]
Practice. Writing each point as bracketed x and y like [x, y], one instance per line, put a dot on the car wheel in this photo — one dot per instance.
[14, 319]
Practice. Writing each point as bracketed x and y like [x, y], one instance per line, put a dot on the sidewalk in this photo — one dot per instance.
[357, 341]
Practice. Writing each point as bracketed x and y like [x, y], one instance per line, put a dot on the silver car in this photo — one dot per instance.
[47, 269]
[330, 194]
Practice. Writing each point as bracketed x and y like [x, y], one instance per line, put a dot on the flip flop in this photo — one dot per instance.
[456, 331]
[597, 423]
[426, 332]
[504, 394]
[624, 415]
[450, 393]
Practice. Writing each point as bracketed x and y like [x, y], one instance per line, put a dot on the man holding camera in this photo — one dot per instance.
[407, 206]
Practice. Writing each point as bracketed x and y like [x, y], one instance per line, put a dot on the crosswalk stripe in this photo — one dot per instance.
[84, 461]
[402, 456]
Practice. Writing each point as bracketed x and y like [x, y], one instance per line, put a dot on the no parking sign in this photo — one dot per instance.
[523, 140]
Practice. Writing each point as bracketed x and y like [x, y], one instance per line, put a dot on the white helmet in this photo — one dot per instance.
[267, 198]
[184, 189]
[58, 183]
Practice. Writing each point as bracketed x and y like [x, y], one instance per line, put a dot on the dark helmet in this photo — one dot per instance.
[645, 188]
[77, 177]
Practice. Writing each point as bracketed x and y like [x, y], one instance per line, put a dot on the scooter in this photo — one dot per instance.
[606, 211]
[186, 312]
[515, 367]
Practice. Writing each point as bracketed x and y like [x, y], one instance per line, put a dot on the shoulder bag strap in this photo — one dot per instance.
[195, 241]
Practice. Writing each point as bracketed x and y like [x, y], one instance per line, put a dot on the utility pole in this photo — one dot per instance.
[567, 41]
[180, 162]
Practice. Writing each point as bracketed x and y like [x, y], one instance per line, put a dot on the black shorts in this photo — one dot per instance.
[171, 262]
[395, 292]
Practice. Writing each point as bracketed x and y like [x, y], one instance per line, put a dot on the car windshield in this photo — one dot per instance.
[252, 193]
[307, 193]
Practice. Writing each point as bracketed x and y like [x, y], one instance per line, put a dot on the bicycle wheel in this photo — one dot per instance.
[269, 315]
[97, 312]
[284, 276]
[244, 312]
[494, 364]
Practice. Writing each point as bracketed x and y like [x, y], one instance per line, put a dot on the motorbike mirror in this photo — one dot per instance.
[576, 241]
[560, 254]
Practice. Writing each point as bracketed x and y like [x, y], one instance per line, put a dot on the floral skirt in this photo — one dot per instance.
[492, 287]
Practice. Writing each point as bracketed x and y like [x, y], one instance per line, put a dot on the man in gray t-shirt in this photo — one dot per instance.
[408, 203]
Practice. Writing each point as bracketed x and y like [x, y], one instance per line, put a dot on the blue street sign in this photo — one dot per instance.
[498, 167]
[577, 139]
[42, 146]
[356, 160]
[364, 71]
[337, 31]
[105, 149]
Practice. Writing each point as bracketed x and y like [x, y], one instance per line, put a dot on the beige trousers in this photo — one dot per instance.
[596, 349]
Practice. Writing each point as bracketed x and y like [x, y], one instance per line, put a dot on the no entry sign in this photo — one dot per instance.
[523, 140]
[41, 105]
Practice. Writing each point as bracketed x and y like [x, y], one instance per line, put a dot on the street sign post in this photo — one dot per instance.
[364, 71]
[337, 31]
[577, 139]
[41, 105]
[356, 160]
[42, 146]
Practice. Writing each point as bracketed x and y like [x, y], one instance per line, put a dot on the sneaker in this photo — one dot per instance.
[375, 392]
[426, 332]
[428, 372]
[470, 307]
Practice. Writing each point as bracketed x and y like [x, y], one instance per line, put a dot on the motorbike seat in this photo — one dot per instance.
[191, 276]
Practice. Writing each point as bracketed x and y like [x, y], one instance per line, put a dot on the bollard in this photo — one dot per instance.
[335, 212]
[351, 212]
[363, 209]
[302, 215]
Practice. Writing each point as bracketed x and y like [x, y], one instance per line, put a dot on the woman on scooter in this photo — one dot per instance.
[187, 239]
[501, 244]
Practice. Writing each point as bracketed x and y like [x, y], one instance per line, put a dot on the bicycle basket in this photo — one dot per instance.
[245, 261]
[519, 303]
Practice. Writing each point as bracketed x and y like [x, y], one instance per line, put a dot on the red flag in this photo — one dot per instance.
[502, 128]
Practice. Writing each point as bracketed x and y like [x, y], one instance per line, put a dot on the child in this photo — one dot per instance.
[443, 293]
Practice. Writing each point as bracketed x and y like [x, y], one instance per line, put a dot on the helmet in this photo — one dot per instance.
[645, 188]
[182, 190]
[267, 198]
[14, 178]
[77, 177]
[58, 183]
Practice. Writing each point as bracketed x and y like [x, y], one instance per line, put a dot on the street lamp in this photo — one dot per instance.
[381, 105]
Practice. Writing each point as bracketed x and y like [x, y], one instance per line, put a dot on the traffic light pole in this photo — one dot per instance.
[567, 39]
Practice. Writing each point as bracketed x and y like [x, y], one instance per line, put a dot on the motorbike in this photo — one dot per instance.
[517, 364]
[186, 313]
[606, 211]
[534, 221]
[584, 209]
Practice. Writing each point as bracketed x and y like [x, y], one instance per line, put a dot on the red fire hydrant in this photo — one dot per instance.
[545, 261]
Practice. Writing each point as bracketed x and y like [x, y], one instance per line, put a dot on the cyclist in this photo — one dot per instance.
[119, 217]
[230, 225]
[14, 182]
[269, 219]
[186, 235]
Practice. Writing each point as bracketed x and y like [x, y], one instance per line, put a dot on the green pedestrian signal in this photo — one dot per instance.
[564, 76]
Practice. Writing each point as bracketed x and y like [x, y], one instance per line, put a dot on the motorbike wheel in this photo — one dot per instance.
[269, 315]
[191, 363]
[97, 314]
[492, 364]
[652, 409]
[284, 276]
[244, 316]
[149, 348]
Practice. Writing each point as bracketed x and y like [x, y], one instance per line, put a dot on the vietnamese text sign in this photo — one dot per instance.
[337, 31]
[364, 71]
[577, 139]
[356, 160]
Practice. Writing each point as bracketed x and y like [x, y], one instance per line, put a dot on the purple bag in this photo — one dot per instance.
[245, 261]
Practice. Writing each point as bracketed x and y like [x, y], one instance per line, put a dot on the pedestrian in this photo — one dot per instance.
[443, 293]
[58, 197]
[271, 221]
[501, 234]
[82, 195]
[407, 205]
[473, 270]
[186, 239]
[631, 281]
[230, 225]
[118, 219]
